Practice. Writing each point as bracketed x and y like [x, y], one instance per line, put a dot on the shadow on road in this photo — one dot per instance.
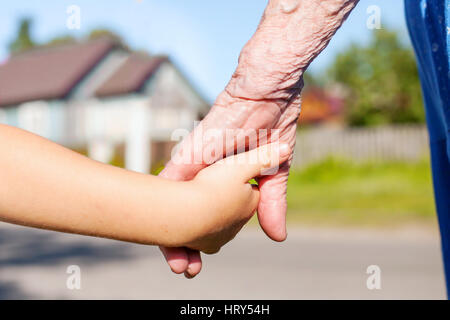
[10, 291]
[22, 247]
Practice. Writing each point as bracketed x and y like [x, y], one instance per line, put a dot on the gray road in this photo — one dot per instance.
[311, 264]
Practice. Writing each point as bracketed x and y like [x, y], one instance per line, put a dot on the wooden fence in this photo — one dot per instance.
[398, 143]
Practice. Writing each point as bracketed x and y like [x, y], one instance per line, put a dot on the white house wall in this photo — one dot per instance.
[172, 94]
[104, 124]
[109, 117]
[44, 118]
[138, 138]
[4, 116]
[58, 131]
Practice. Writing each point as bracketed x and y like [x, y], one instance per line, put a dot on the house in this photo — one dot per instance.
[322, 106]
[100, 98]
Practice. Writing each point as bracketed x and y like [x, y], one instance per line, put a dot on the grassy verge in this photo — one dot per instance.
[337, 192]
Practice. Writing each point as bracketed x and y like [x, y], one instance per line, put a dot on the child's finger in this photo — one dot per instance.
[263, 160]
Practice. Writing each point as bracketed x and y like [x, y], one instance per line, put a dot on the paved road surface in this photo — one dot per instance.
[311, 264]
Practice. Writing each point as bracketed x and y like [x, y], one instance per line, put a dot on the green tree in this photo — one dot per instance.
[382, 81]
[311, 80]
[105, 33]
[23, 40]
[92, 35]
[61, 40]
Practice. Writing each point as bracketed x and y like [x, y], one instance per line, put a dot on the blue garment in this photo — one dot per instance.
[429, 27]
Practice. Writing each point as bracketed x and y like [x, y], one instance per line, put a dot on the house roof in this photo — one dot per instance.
[49, 73]
[131, 76]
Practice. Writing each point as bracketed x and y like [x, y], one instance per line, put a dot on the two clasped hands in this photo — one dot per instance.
[264, 93]
[192, 206]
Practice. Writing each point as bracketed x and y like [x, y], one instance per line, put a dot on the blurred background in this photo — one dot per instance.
[114, 81]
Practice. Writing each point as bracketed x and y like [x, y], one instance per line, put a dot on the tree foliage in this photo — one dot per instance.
[61, 40]
[382, 81]
[104, 33]
[23, 40]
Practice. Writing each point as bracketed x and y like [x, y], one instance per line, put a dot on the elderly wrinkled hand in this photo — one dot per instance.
[261, 104]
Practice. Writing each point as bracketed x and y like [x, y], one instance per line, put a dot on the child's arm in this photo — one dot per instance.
[48, 186]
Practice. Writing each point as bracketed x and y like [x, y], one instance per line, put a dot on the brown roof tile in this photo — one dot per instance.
[131, 75]
[48, 73]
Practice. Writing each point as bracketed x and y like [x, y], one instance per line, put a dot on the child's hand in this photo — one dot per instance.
[64, 191]
[226, 198]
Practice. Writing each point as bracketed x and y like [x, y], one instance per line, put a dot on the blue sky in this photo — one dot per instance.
[203, 37]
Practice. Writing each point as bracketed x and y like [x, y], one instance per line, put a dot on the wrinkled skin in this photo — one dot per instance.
[264, 93]
[229, 112]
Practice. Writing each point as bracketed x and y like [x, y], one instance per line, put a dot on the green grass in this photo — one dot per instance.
[338, 192]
